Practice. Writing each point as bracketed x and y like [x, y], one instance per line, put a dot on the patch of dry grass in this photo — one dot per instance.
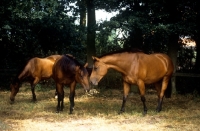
[98, 112]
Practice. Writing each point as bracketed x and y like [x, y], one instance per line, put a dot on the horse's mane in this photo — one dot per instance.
[68, 63]
[72, 58]
[129, 50]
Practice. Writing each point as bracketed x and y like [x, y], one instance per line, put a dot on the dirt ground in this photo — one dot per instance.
[98, 112]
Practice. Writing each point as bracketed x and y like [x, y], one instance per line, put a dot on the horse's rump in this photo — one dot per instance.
[53, 57]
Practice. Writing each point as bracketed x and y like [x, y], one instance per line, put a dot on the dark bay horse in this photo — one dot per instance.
[68, 71]
[36, 69]
[137, 68]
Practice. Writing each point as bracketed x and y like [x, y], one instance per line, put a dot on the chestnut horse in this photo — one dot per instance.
[35, 70]
[137, 68]
[68, 71]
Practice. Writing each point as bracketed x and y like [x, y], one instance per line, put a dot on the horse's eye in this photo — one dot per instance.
[81, 76]
[95, 68]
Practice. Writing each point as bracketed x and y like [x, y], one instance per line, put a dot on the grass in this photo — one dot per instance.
[98, 112]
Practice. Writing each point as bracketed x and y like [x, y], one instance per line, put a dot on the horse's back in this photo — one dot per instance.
[40, 67]
[153, 67]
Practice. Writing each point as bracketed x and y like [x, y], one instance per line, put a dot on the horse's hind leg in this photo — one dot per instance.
[158, 86]
[60, 91]
[161, 92]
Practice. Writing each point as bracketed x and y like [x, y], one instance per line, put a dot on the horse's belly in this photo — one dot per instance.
[64, 81]
[133, 80]
[151, 81]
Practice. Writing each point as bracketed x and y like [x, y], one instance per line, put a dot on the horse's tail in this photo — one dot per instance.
[168, 91]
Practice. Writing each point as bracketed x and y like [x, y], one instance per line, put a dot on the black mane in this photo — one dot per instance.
[73, 59]
[68, 64]
[129, 50]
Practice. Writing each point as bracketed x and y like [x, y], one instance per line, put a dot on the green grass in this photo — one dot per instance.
[98, 112]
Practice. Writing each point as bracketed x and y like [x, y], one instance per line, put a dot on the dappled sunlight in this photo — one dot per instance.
[187, 41]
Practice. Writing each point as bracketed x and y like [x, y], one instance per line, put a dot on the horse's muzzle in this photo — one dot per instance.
[94, 81]
[87, 90]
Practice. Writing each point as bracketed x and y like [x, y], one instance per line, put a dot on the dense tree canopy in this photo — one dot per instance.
[31, 28]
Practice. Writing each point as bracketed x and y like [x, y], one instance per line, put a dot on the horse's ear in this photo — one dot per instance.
[70, 56]
[86, 64]
[77, 68]
[95, 58]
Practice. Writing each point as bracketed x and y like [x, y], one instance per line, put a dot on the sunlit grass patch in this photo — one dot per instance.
[97, 112]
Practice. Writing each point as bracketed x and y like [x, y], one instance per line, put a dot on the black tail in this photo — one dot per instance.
[168, 91]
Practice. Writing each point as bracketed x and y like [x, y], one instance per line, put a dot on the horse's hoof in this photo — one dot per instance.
[158, 110]
[11, 102]
[34, 100]
[120, 112]
[144, 113]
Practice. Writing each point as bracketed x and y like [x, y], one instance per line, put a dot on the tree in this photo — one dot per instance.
[36, 28]
[91, 28]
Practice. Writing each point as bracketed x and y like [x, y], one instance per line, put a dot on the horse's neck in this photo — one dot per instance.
[115, 62]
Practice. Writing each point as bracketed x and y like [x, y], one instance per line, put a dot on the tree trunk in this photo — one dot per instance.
[197, 40]
[197, 64]
[82, 7]
[172, 52]
[82, 10]
[91, 23]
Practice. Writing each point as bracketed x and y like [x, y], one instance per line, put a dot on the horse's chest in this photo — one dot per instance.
[129, 79]
[67, 81]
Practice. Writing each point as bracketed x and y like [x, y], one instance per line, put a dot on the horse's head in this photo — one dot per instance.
[82, 77]
[98, 71]
[14, 88]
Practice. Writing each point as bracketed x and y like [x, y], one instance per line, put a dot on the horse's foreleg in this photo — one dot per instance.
[141, 86]
[71, 96]
[36, 80]
[62, 100]
[126, 92]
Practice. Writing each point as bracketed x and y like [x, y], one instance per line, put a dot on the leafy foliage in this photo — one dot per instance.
[30, 28]
[36, 28]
